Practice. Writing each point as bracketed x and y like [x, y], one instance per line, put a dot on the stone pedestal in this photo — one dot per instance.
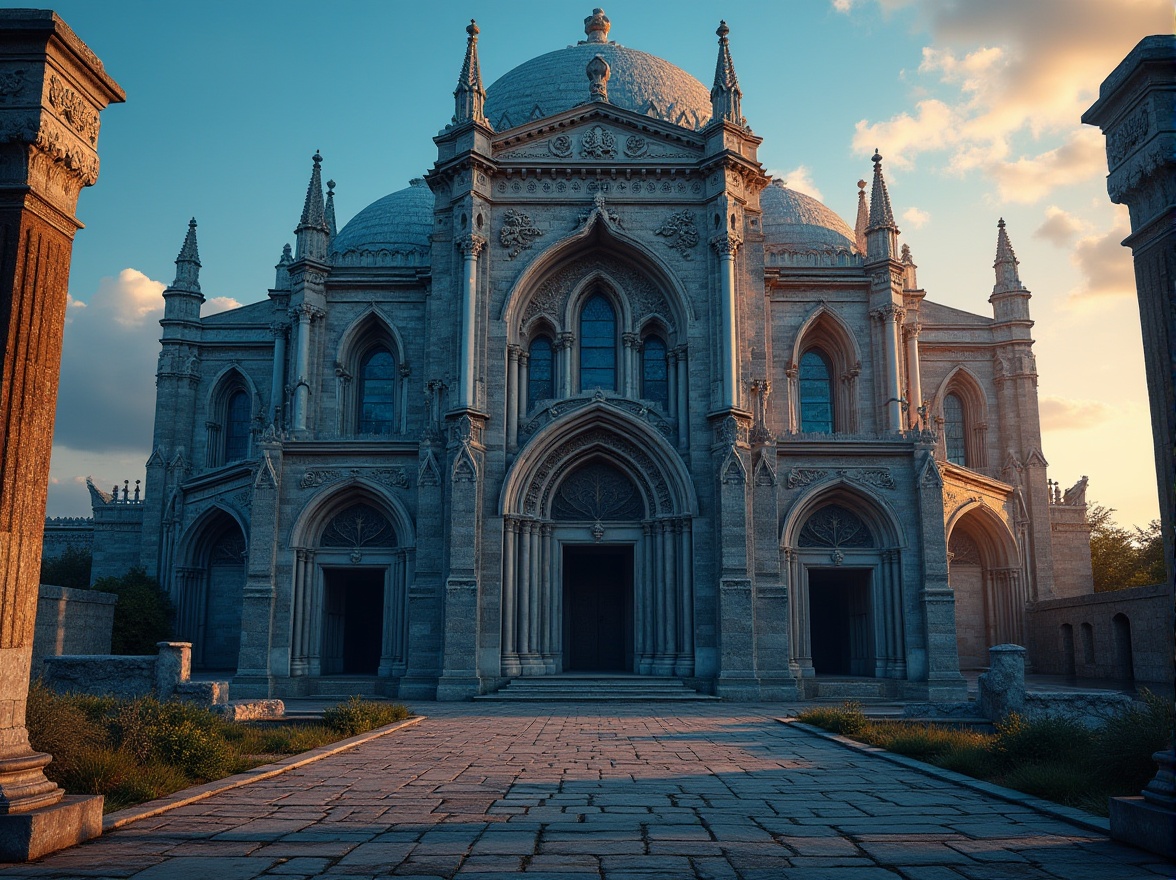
[1002, 687]
[1149, 820]
[54, 90]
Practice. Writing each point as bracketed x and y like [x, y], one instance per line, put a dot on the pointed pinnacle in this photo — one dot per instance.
[1007, 275]
[881, 215]
[312, 209]
[188, 263]
[329, 210]
[469, 97]
[188, 251]
[863, 218]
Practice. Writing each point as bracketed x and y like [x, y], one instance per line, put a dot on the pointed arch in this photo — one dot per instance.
[210, 585]
[332, 500]
[371, 382]
[604, 431]
[827, 333]
[233, 403]
[966, 387]
[877, 513]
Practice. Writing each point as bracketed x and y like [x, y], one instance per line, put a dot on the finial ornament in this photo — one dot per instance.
[598, 73]
[469, 97]
[726, 96]
[1007, 276]
[597, 26]
[863, 219]
[188, 263]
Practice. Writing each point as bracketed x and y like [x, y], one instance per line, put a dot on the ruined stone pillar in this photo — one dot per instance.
[53, 90]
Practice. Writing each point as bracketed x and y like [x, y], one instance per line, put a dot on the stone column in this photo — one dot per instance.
[524, 379]
[563, 348]
[54, 91]
[471, 245]
[510, 651]
[302, 315]
[278, 377]
[914, 376]
[890, 317]
[726, 247]
[512, 396]
[683, 390]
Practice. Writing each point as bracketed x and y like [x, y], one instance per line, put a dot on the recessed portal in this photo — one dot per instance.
[598, 608]
[353, 620]
[839, 621]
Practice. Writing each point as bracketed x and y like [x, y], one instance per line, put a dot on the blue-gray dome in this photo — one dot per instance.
[792, 218]
[393, 231]
[558, 81]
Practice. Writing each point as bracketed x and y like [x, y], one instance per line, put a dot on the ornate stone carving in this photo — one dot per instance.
[644, 297]
[733, 471]
[595, 492]
[1130, 133]
[878, 477]
[963, 550]
[836, 527]
[680, 232]
[360, 525]
[598, 143]
[394, 476]
[726, 244]
[599, 207]
[471, 243]
[517, 232]
[560, 146]
[636, 146]
[75, 110]
[12, 83]
[798, 478]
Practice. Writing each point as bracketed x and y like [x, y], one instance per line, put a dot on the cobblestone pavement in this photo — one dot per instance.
[673, 791]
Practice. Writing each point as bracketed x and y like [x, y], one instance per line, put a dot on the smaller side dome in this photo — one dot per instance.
[393, 231]
[793, 219]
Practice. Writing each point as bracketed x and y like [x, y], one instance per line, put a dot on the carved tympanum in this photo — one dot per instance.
[835, 526]
[595, 492]
[360, 525]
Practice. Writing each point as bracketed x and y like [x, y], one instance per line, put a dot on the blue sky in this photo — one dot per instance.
[974, 105]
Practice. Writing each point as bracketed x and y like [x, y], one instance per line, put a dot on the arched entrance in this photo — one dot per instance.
[350, 588]
[597, 572]
[986, 580]
[210, 591]
[845, 578]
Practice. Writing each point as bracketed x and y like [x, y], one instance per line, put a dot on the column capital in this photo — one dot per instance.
[726, 244]
[513, 351]
[471, 244]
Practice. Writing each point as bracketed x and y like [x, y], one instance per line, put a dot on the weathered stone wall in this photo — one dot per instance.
[1148, 612]
[66, 531]
[72, 622]
[117, 539]
[1070, 538]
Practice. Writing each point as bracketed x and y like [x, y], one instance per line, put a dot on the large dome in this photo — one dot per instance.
[792, 218]
[558, 81]
[394, 230]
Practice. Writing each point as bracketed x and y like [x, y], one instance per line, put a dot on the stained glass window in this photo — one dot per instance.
[598, 345]
[655, 383]
[540, 372]
[237, 426]
[377, 393]
[953, 430]
[816, 393]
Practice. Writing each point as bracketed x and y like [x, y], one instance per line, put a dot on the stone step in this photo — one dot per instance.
[823, 688]
[603, 688]
[343, 688]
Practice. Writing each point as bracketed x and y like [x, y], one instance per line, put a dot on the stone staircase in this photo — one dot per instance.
[342, 687]
[595, 689]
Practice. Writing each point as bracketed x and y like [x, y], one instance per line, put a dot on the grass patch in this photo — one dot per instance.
[133, 751]
[1054, 758]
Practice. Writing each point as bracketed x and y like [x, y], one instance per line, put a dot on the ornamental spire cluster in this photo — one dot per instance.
[188, 263]
[1007, 276]
[881, 215]
[469, 98]
[312, 231]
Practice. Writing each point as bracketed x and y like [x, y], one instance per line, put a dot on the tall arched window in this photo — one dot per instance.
[816, 393]
[237, 426]
[655, 377]
[377, 392]
[598, 345]
[540, 371]
[953, 430]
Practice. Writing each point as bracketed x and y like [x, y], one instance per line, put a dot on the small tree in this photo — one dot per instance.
[144, 613]
[1120, 557]
[70, 569]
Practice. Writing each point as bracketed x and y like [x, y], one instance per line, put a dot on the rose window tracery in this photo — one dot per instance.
[596, 492]
[836, 527]
[360, 525]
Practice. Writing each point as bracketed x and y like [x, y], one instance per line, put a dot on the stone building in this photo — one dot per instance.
[598, 394]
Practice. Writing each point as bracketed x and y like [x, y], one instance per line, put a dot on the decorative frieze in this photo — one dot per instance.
[517, 233]
[395, 476]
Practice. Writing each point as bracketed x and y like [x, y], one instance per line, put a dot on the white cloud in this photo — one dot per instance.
[218, 304]
[1001, 75]
[1106, 266]
[916, 217]
[1063, 414]
[1059, 228]
[799, 179]
[106, 399]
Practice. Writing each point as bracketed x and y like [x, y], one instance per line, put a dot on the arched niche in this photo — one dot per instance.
[209, 588]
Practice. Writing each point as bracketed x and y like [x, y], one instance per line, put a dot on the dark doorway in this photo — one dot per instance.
[840, 628]
[598, 609]
[353, 620]
[1124, 668]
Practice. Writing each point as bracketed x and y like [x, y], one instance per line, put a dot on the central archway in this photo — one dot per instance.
[597, 539]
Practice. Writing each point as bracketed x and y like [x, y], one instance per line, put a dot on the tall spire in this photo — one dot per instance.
[469, 98]
[726, 96]
[188, 263]
[312, 230]
[329, 210]
[1007, 277]
[863, 219]
[881, 231]
[282, 270]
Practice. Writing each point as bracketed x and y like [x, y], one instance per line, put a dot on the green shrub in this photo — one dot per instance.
[62, 727]
[1019, 742]
[847, 719]
[143, 615]
[922, 740]
[1061, 781]
[975, 761]
[187, 737]
[1126, 743]
[358, 715]
[70, 569]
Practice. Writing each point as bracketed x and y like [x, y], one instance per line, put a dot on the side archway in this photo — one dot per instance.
[210, 588]
[842, 553]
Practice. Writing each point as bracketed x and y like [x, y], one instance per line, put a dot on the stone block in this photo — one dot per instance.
[1139, 823]
[203, 693]
[252, 710]
[1002, 687]
[30, 835]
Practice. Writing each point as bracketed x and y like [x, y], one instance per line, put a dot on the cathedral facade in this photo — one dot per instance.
[597, 394]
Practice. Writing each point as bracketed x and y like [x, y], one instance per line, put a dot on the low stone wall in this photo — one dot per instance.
[1116, 636]
[72, 621]
[166, 675]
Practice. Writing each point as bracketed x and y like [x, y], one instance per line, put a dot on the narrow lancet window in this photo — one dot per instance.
[237, 426]
[655, 382]
[598, 345]
[377, 392]
[816, 393]
[953, 430]
[540, 371]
